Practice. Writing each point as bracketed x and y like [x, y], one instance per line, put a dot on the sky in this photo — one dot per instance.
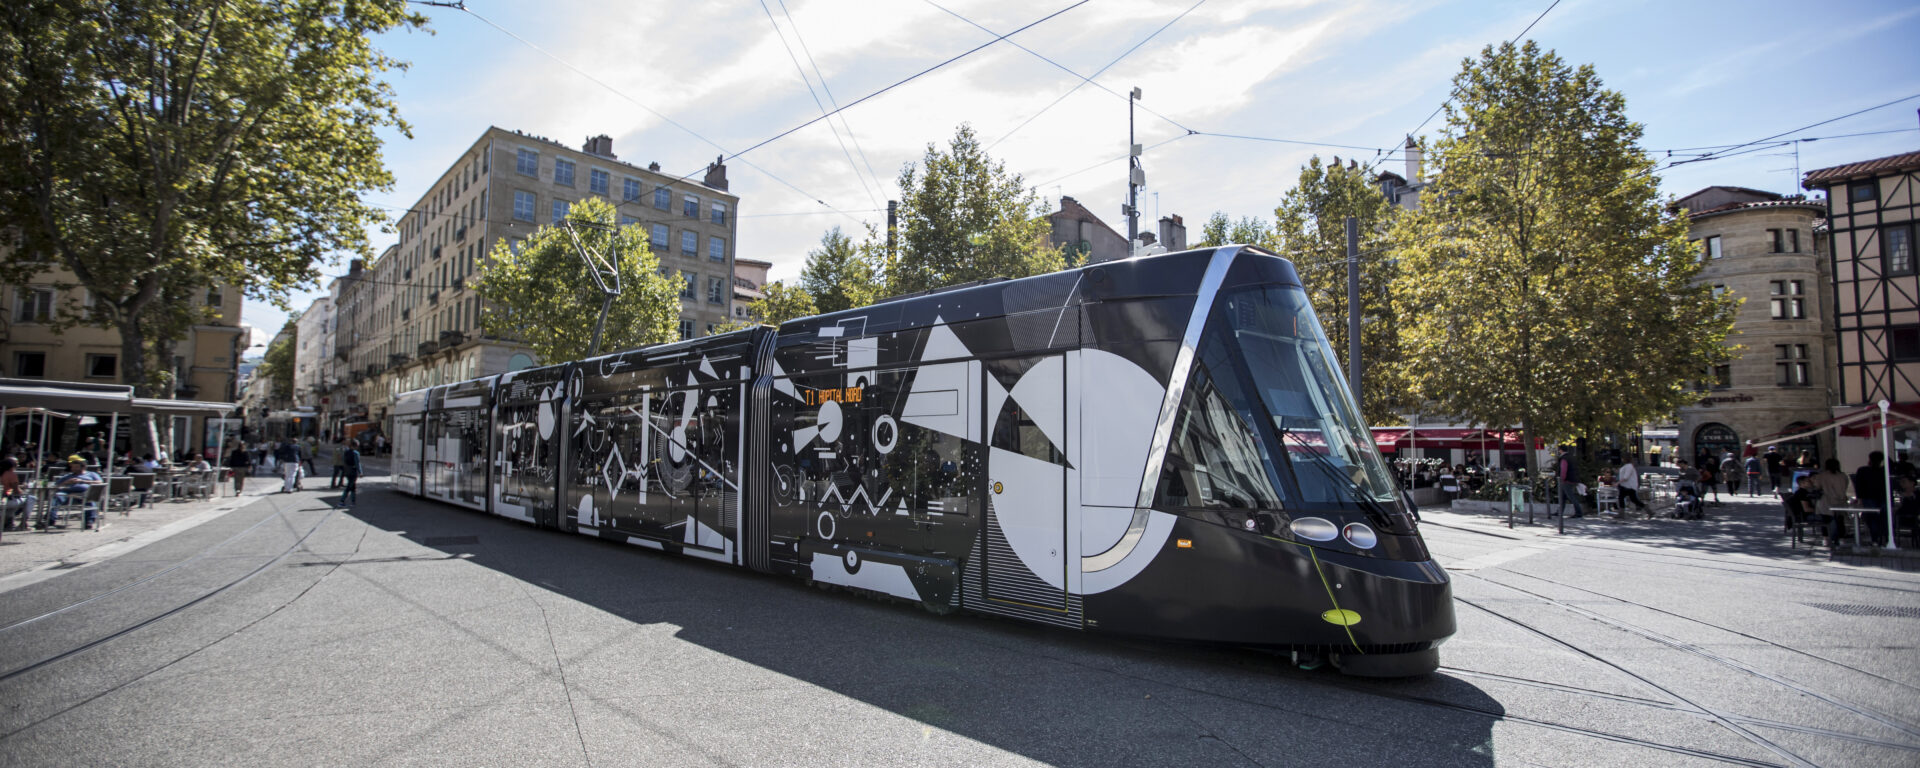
[1236, 95]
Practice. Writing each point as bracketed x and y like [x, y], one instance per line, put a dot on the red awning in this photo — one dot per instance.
[1386, 437]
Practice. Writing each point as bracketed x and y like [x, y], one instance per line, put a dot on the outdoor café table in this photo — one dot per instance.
[1855, 513]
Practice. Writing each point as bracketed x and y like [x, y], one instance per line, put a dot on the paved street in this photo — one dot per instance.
[290, 631]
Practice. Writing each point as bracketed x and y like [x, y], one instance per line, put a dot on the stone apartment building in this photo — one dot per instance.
[1767, 249]
[1078, 230]
[204, 363]
[410, 318]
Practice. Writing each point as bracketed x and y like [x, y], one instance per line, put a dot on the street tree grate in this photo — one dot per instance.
[446, 541]
[1852, 609]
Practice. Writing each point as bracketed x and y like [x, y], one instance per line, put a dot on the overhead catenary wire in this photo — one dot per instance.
[1097, 73]
[828, 89]
[795, 58]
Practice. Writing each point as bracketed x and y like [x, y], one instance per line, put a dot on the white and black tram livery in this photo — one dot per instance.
[1160, 446]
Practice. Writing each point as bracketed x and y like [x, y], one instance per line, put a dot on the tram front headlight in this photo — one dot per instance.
[1314, 529]
[1360, 535]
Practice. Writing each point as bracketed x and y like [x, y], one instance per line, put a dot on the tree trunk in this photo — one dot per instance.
[133, 371]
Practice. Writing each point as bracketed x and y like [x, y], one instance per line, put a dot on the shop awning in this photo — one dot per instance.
[1386, 437]
[1859, 423]
[66, 396]
[154, 405]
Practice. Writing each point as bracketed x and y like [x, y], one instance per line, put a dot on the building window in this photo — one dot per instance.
[717, 248]
[1790, 365]
[629, 189]
[102, 366]
[33, 305]
[720, 214]
[626, 220]
[1778, 240]
[661, 239]
[1863, 192]
[1788, 301]
[1793, 241]
[30, 365]
[716, 290]
[563, 171]
[1896, 249]
[597, 181]
[527, 161]
[522, 205]
[689, 283]
[1903, 343]
[686, 328]
[560, 210]
[213, 297]
[690, 243]
[1713, 247]
[690, 205]
[662, 197]
[1722, 376]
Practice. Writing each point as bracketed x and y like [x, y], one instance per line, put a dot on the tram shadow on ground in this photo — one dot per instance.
[1049, 695]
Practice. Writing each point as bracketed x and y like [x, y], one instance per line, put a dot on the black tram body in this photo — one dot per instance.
[1160, 447]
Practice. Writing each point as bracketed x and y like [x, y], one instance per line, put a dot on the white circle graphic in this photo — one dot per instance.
[886, 434]
[830, 421]
[825, 525]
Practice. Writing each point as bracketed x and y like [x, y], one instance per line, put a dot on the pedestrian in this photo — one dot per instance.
[1567, 471]
[339, 469]
[287, 457]
[1709, 482]
[350, 469]
[308, 448]
[1829, 489]
[1776, 466]
[1450, 483]
[1629, 481]
[240, 463]
[1730, 472]
[1754, 470]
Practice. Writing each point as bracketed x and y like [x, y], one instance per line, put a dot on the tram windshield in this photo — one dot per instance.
[1267, 423]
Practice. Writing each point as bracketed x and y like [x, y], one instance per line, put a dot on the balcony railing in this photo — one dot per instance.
[428, 348]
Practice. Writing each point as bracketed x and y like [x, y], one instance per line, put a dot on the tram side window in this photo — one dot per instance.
[1216, 458]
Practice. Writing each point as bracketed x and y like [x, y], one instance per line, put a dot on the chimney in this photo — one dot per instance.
[1413, 161]
[601, 145]
[655, 167]
[717, 174]
[1147, 238]
[1173, 233]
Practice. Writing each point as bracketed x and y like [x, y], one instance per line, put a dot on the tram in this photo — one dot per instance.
[1157, 447]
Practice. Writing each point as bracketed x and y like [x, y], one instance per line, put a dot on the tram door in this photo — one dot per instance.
[1025, 536]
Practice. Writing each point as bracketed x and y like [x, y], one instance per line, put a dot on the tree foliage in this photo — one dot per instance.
[1221, 230]
[780, 303]
[1310, 228]
[544, 295]
[841, 274]
[154, 148]
[963, 217]
[1543, 283]
[277, 364]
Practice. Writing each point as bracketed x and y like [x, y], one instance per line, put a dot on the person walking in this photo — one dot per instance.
[1776, 466]
[1567, 471]
[287, 457]
[240, 463]
[1709, 482]
[1629, 482]
[1730, 472]
[1450, 483]
[308, 449]
[1754, 470]
[349, 458]
[1870, 483]
[339, 469]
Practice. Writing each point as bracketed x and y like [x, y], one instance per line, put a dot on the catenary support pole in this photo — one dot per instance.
[1353, 308]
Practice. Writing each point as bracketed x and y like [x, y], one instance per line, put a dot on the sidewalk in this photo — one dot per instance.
[1739, 524]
